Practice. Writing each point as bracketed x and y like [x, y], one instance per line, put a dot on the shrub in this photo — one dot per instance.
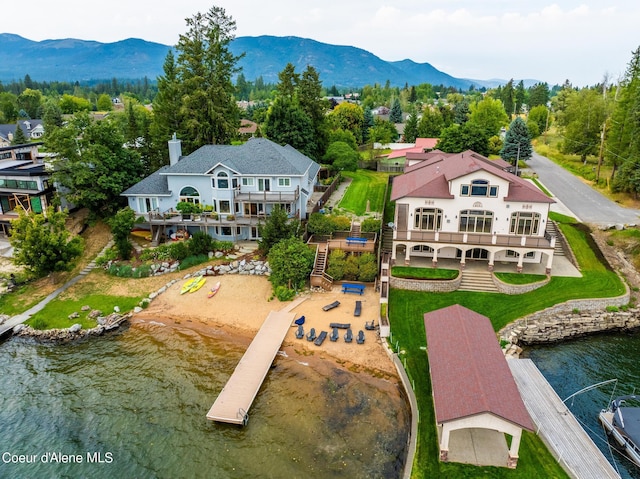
[224, 246]
[109, 255]
[190, 261]
[371, 225]
[336, 264]
[367, 267]
[612, 309]
[178, 250]
[200, 243]
[142, 271]
[342, 223]
[283, 293]
[320, 224]
[351, 268]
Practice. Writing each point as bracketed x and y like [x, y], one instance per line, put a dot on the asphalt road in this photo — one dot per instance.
[587, 204]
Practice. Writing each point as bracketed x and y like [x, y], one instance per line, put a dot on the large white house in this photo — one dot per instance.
[466, 206]
[240, 185]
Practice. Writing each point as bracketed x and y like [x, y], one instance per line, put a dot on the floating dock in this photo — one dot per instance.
[235, 399]
[557, 426]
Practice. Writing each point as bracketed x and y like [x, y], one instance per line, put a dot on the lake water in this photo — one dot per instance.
[133, 404]
[573, 365]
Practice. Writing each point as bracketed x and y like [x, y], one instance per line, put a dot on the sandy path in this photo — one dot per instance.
[243, 303]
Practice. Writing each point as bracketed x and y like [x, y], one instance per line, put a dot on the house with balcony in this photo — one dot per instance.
[466, 207]
[235, 186]
[25, 181]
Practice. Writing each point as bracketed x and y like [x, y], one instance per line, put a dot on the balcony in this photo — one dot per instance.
[480, 239]
[267, 196]
[202, 219]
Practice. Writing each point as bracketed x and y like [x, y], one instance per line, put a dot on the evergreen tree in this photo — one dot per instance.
[508, 98]
[538, 95]
[277, 227]
[411, 127]
[517, 144]
[368, 123]
[520, 96]
[204, 67]
[395, 115]
[288, 124]
[19, 137]
[310, 99]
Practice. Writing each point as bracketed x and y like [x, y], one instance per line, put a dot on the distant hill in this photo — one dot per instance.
[266, 56]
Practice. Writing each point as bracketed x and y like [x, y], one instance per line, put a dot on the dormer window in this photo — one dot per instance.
[479, 188]
[222, 181]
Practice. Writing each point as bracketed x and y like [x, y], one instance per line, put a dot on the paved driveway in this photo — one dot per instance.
[588, 205]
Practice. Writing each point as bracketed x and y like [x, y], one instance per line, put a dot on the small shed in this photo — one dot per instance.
[476, 398]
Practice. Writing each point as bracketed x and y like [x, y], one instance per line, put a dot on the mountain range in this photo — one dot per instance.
[343, 66]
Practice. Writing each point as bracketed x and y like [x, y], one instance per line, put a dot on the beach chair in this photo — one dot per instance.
[300, 332]
[360, 338]
[330, 306]
[320, 339]
[348, 336]
[299, 321]
[334, 335]
[358, 309]
[312, 335]
[369, 325]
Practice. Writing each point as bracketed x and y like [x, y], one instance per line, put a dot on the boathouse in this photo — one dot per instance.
[477, 402]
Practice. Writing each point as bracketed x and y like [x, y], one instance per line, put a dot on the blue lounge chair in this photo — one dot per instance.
[348, 336]
[312, 335]
[299, 321]
[320, 339]
[300, 332]
[358, 309]
[334, 335]
[360, 338]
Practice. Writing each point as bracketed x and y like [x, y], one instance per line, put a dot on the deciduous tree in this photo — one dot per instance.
[41, 244]
[291, 262]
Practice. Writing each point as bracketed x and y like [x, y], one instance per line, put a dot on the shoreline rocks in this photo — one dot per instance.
[72, 333]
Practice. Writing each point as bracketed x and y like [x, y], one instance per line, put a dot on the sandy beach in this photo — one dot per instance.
[243, 302]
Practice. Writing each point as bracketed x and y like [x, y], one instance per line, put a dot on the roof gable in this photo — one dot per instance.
[469, 373]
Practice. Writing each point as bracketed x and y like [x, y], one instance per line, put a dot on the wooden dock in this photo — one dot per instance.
[235, 399]
[557, 426]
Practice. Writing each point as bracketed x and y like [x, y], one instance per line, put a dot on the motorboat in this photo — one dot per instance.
[621, 420]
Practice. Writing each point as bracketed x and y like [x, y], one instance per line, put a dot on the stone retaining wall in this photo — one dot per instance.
[507, 288]
[440, 286]
[572, 319]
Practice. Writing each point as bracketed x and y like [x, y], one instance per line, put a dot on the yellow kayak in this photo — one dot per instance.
[186, 287]
[198, 285]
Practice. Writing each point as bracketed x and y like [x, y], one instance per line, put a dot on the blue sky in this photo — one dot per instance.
[581, 41]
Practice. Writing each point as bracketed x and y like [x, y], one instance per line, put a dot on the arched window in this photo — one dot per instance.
[223, 180]
[524, 223]
[479, 188]
[427, 219]
[190, 195]
[475, 221]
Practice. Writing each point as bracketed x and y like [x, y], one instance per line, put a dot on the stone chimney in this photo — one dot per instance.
[175, 150]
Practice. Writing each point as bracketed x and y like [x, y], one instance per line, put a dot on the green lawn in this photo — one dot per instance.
[55, 315]
[409, 272]
[365, 185]
[407, 309]
[519, 278]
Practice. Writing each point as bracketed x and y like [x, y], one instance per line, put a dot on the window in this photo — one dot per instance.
[190, 195]
[475, 221]
[225, 206]
[264, 184]
[284, 181]
[524, 223]
[513, 254]
[147, 204]
[428, 219]
[422, 249]
[223, 180]
[226, 230]
[479, 188]
[247, 182]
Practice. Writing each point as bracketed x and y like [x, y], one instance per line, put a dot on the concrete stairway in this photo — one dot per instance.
[475, 280]
[552, 230]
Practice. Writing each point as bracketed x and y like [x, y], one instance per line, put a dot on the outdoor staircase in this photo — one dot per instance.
[552, 230]
[387, 239]
[355, 229]
[476, 280]
[318, 276]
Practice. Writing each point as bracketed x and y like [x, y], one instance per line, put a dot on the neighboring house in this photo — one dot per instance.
[466, 206]
[248, 129]
[476, 400]
[421, 145]
[32, 129]
[24, 181]
[239, 184]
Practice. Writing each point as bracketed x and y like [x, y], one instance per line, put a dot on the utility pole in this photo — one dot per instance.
[518, 159]
[604, 127]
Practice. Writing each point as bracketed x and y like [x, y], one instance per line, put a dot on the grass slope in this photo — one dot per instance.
[365, 185]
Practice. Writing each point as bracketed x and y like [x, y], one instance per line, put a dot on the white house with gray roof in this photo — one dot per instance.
[240, 185]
